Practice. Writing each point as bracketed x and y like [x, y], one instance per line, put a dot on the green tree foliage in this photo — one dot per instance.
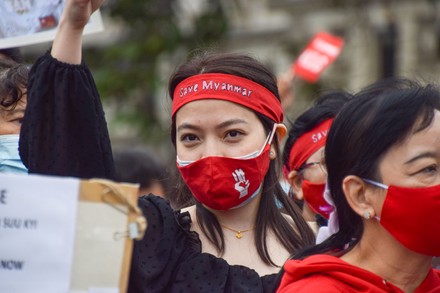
[126, 71]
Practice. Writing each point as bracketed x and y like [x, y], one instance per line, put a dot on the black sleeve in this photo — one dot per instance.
[157, 257]
[169, 259]
[64, 131]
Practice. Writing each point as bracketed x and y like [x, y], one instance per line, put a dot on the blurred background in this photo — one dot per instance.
[145, 40]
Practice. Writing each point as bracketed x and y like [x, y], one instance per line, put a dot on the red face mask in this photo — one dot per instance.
[314, 198]
[412, 216]
[223, 183]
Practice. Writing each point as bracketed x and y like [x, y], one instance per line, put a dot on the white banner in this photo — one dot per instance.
[26, 22]
[37, 230]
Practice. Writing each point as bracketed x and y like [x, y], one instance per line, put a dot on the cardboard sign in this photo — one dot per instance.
[60, 234]
[319, 53]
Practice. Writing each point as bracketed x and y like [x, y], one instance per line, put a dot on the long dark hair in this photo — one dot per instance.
[269, 216]
[376, 119]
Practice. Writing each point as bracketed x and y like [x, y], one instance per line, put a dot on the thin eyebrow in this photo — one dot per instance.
[187, 126]
[230, 122]
[221, 125]
[421, 156]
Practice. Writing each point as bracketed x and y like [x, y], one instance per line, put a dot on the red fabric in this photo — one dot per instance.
[420, 217]
[314, 198]
[222, 183]
[325, 273]
[230, 88]
[320, 52]
[308, 143]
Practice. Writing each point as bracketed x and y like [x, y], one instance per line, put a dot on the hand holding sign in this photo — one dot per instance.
[67, 45]
[78, 12]
[320, 52]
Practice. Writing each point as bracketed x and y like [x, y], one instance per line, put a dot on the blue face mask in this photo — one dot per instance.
[10, 161]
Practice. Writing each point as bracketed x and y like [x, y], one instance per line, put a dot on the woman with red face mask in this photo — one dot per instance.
[383, 163]
[226, 121]
[303, 157]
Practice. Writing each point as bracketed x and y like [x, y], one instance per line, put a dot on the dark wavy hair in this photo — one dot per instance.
[269, 215]
[13, 83]
[376, 119]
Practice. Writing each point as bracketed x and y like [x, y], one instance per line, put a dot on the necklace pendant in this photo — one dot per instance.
[238, 235]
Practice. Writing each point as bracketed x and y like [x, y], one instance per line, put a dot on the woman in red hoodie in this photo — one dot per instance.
[383, 160]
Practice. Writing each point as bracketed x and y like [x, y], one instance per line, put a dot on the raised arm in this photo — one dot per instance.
[67, 45]
[64, 131]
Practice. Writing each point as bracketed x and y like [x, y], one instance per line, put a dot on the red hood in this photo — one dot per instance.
[325, 273]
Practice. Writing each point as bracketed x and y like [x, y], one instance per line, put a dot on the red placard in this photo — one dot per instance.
[320, 52]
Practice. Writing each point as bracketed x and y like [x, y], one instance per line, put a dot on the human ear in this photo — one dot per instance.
[295, 181]
[358, 196]
[281, 131]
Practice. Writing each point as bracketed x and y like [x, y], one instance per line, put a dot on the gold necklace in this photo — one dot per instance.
[238, 234]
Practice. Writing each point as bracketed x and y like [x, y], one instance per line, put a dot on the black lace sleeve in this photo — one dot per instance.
[169, 259]
[158, 255]
[64, 131]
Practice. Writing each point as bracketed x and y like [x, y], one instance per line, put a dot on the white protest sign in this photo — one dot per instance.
[37, 229]
[28, 22]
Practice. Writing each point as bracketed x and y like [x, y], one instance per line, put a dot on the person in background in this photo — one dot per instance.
[303, 157]
[13, 99]
[226, 127]
[52, 142]
[383, 164]
[139, 165]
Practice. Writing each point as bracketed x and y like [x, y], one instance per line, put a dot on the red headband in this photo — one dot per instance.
[230, 88]
[308, 143]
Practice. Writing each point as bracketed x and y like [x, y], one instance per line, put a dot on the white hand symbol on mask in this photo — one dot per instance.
[242, 184]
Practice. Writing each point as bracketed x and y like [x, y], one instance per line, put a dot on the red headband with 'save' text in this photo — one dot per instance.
[308, 143]
[230, 88]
